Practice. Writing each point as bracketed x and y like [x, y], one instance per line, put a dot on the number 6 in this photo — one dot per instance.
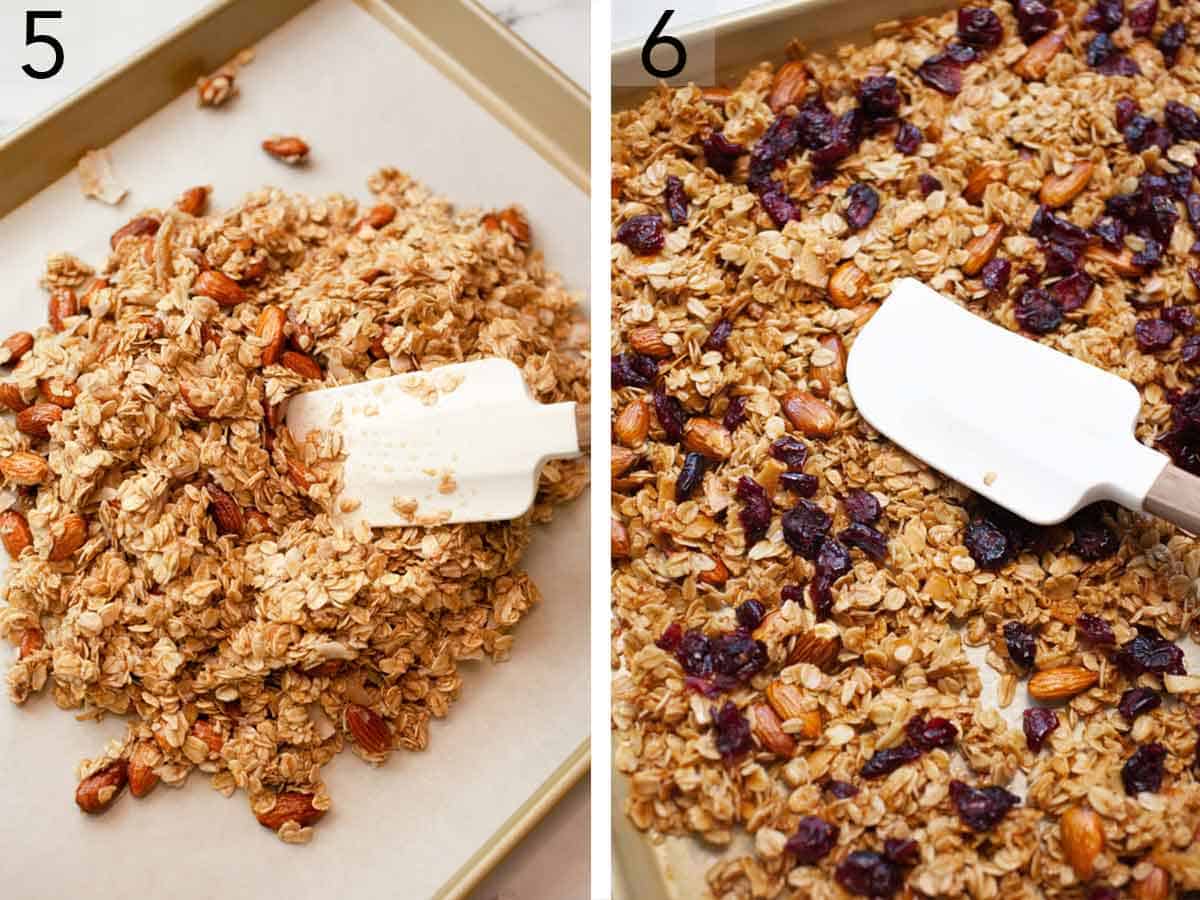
[656, 38]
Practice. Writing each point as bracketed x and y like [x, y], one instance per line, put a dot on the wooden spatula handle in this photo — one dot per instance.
[1175, 496]
[583, 426]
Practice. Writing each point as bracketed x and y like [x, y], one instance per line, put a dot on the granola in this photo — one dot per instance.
[834, 689]
[174, 556]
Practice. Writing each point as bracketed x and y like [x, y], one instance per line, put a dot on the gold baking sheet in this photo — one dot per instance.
[443, 92]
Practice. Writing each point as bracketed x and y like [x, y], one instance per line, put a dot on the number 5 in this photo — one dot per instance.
[32, 37]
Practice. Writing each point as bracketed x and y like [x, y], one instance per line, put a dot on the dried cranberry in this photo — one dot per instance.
[1143, 132]
[1144, 770]
[866, 873]
[1104, 892]
[669, 640]
[813, 840]
[908, 138]
[879, 97]
[942, 73]
[844, 140]
[1150, 652]
[1189, 353]
[669, 412]
[799, 483]
[1105, 16]
[995, 274]
[1182, 120]
[981, 809]
[928, 184]
[1094, 629]
[1038, 312]
[884, 762]
[841, 789]
[735, 414]
[695, 653]
[791, 452]
[1072, 292]
[750, 614]
[902, 851]
[1184, 449]
[861, 506]
[1038, 723]
[866, 539]
[633, 370]
[1021, 644]
[1126, 108]
[930, 734]
[791, 593]
[755, 514]
[1192, 204]
[1142, 18]
[1119, 64]
[1061, 259]
[642, 234]
[1093, 539]
[987, 544]
[779, 206]
[814, 124]
[1110, 231]
[820, 592]
[733, 731]
[804, 528]
[691, 474]
[720, 153]
[1136, 701]
[979, 27]
[676, 200]
[1150, 257]
[862, 204]
[718, 338]
[963, 54]
[1153, 335]
[833, 559]
[1045, 225]
[1034, 19]
[705, 686]
[1185, 411]
[738, 656]
[1171, 42]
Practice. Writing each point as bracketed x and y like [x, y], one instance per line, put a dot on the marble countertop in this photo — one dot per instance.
[552, 862]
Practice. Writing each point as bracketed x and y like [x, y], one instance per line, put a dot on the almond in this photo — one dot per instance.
[717, 575]
[256, 523]
[290, 150]
[60, 393]
[1036, 61]
[215, 89]
[10, 397]
[786, 699]
[789, 87]
[15, 532]
[204, 730]
[14, 347]
[828, 374]
[219, 287]
[378, 216]
[370, 730]
[269, 328]
[31, 642]
[515, 223]
[88, 297]
[290, 806]
[648, 340]
[818, 647]
[36, 420]
[846, 284]
[981, 249]
[225, 511]
[189, 394]
[302, 364]
[708, 437]
[809, 414]
[23, 467]
[142, 226]
[765, 726]
[1156, 885]
[68, 536]
[299, 474]
[142, 779]
[96, 793]
[1061, 683]
[632, 424]
[63, 305]
[715, 94]
[1121, 262]
[1059, 190]
[622, 461]
[980, 177]
[1082, 833]
[620, 540]
[194, 200]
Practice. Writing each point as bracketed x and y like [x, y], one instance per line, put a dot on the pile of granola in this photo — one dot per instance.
[174, 557]
[889, 686]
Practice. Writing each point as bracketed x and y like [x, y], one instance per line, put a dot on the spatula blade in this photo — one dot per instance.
[459, 443]
[1037, 431]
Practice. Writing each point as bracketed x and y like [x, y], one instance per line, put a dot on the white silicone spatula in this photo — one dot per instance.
[459, 443]
[1035, 430]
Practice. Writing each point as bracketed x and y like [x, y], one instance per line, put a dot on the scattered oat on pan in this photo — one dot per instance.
[793, 595]
[97, 179]
[174, 558]
[220, 87]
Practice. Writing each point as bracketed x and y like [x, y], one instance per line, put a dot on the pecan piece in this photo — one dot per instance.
[290, 150]
[789, 87]
[194, 200]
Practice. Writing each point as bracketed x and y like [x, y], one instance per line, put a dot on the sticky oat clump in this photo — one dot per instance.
[174, 557]
[917, 694]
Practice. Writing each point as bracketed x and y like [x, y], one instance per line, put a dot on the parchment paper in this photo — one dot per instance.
[363, 99]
